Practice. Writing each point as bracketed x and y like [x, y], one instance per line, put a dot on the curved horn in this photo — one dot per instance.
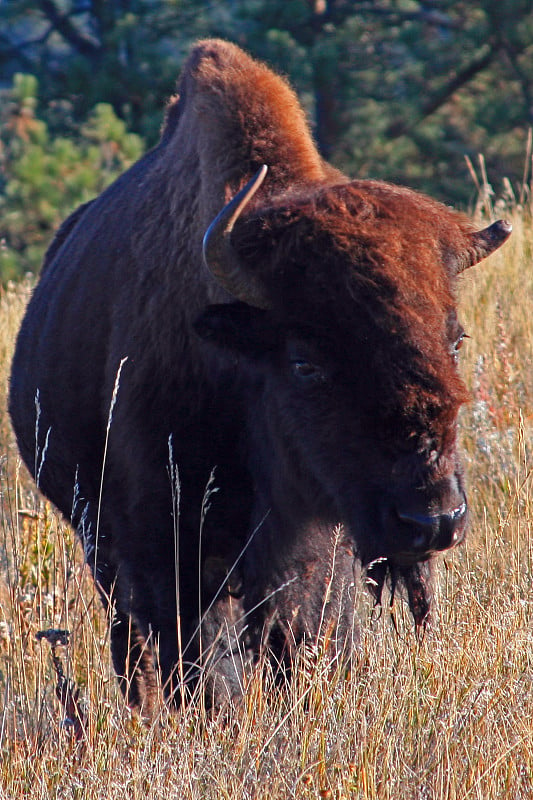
[485, 242]
[219, 256]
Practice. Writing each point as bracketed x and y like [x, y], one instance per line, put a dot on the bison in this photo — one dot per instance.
[232, 427]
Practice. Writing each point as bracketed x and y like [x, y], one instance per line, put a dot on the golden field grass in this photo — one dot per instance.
[450, 716]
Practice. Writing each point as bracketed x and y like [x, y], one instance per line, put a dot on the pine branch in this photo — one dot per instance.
[440, 96]
[63, 25]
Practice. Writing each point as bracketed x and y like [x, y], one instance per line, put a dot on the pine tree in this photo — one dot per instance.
[45, 177]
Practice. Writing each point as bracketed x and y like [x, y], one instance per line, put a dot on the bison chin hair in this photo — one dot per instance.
[415, 579]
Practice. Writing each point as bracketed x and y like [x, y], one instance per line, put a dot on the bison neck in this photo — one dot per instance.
[299, 563]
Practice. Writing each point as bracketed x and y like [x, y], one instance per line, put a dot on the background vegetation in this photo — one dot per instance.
[396, 89]
[399, 89]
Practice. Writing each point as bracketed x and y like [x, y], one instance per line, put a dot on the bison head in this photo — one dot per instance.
[346, 317]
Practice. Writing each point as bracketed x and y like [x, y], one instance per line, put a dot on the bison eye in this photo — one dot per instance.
[458, 344]
[306, 371]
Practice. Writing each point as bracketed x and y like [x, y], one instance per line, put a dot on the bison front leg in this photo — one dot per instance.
[223, 655]
[133, 662]
[131, 652]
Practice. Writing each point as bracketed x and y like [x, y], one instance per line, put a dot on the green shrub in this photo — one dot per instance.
[43, 178]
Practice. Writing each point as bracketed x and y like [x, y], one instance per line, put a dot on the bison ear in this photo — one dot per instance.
[237, 327]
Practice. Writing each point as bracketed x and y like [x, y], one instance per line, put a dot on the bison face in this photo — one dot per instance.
[326, 443]
[396, 480]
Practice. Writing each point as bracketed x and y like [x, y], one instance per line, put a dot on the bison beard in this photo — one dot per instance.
[307, 353]
[416, 580]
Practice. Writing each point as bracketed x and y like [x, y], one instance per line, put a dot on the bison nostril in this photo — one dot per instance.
[435, 531]
[423, 529]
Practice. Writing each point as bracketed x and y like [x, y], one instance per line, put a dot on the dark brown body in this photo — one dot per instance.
[322, 391]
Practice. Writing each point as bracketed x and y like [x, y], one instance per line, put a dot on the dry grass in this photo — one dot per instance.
[449, 717]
